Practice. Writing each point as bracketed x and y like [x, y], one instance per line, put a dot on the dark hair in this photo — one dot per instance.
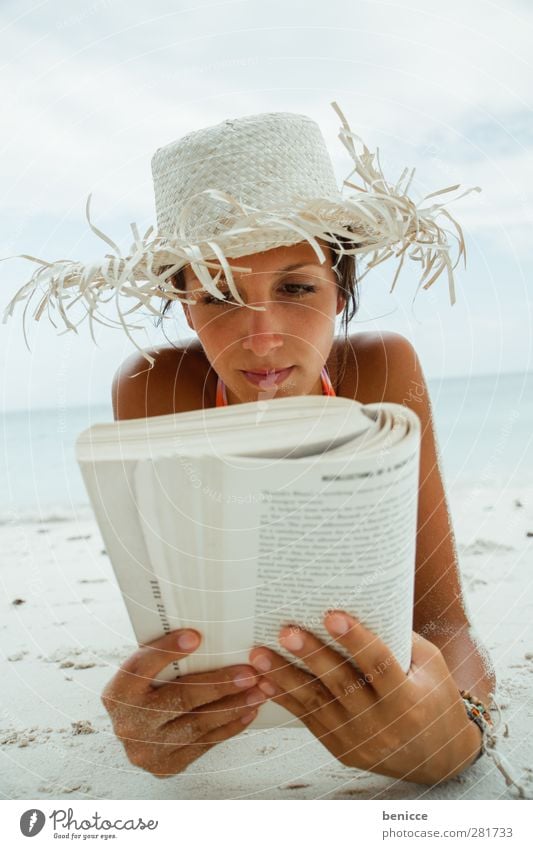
[345, 269]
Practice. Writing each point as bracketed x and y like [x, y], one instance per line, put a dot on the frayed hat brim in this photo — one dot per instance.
[379, 221]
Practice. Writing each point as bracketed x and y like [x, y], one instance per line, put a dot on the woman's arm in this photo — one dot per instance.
[176, 383]
[406, 725]
[439, 612]
[371, 714]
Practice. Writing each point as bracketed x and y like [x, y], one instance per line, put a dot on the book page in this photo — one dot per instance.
[111, 488]
[330, 537]
[301, 425]
[180, 505]
[236, 546]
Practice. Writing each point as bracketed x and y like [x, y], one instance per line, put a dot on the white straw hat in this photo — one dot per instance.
[244, 186]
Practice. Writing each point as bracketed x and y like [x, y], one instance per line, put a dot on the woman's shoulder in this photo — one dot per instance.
[180, 379]
[378, 364]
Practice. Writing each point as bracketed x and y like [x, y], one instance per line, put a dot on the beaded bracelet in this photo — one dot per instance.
[476, 710]
[490, 733]
[479, 714]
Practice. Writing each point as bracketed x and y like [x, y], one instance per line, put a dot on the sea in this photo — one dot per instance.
[483, 424]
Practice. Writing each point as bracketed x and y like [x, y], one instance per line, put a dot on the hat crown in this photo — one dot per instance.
[276, 188]
[273, 160]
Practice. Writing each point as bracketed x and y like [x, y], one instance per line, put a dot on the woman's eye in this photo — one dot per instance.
[295, 290]
[299, 289]
[210, 299]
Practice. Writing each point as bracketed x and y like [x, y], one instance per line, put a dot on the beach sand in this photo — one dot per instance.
[65, 631]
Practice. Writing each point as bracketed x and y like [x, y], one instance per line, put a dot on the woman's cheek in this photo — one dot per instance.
[217, 341]
[318, 328]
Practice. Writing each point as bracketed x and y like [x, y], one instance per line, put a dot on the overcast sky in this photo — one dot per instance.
[90, 90]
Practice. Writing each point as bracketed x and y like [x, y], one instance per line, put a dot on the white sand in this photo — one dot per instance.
[69, 631]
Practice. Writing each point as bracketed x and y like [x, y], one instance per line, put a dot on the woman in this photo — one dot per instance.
[255, 200]
[410, 726]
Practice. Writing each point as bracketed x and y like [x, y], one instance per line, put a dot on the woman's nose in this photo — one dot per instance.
[261, 333]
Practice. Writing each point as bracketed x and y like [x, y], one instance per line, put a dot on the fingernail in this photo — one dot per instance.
[292, 641]
[338, 624]
[244, 680]
[267, 688]
[255, 697]
[188, 640]
[261, 662]
[248, 717]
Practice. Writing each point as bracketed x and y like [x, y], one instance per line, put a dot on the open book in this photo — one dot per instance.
[239, 519]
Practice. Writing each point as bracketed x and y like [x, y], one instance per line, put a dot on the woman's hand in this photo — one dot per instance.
[166, 728]
[412, 726]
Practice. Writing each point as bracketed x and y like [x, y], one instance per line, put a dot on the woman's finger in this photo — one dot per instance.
[309, 717]
[178, 759]
[136, 674]
[195, 689]
[308, 691]
[191, 727]
[371, 655]
[339, 675]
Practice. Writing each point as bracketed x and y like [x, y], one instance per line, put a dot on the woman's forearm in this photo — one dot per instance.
[468, 661]
[471, 668]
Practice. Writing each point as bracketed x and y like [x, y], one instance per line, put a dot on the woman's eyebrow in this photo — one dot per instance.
[294, 265]
[283, 270]
[291, 267]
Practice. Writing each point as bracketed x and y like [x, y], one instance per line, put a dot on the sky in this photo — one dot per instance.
[90, 91]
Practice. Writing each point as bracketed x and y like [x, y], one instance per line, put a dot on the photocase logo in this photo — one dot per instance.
[31, 822]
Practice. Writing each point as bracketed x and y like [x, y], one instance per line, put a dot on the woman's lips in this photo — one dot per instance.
[267, 379]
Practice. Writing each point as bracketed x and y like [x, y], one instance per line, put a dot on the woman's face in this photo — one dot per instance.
[280, 350]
